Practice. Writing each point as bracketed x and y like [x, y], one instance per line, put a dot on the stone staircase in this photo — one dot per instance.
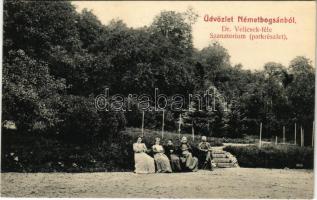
[224, 159]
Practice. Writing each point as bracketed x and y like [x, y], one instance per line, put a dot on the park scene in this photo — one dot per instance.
[104, 109]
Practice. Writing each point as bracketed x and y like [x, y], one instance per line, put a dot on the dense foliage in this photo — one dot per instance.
[34, 153]
[273, 156]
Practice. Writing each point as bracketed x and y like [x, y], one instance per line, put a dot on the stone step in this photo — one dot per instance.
[218, 152]
[221, 160]
[224, 165]
[219, 155]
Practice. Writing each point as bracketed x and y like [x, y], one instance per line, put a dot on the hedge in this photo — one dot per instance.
[41, 154]
[273, 156]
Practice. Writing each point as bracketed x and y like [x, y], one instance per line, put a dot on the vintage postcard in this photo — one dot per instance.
[158, 99]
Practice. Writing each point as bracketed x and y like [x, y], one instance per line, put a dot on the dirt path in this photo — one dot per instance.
[221, 183]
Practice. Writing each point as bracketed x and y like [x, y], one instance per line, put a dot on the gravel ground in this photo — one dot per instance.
[221, 183]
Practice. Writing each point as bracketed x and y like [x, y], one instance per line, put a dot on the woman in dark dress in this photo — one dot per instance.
[188, 161]
[171, 153]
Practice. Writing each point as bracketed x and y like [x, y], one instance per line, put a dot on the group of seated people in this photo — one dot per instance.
[170, 158]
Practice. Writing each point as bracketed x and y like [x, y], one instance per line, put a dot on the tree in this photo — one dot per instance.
[89, 29]
[275, 104]
[36, 27]
[176, 28]
[216, 62]
[301, 92]
[30, 94]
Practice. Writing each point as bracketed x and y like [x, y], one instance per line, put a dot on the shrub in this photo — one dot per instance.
[111, 125]
[33, 153]
[30, 93]
[244, 140]
[273, 156]
[80, 120]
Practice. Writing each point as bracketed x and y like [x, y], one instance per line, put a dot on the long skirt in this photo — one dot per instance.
[189, 162]
[162, 163]
[175, 163]
[144, 164]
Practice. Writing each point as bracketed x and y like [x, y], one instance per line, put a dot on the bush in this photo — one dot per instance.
[111, 125]
[245, 140]
[273, 156]
[80, 119]
[33, 153]
[31, 95]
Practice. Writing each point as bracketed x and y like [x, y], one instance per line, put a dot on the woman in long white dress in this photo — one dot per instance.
[144, 164]
[161, 160]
